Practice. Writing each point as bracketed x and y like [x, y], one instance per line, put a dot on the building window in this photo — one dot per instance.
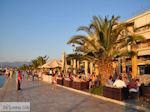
[148, 42]
[147, 69]
[144, 69]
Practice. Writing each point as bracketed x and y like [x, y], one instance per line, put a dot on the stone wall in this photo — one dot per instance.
[47, 78]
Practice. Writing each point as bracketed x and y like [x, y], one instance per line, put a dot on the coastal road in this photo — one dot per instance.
[43, 99]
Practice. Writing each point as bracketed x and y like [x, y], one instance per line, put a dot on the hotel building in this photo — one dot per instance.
[141, 26]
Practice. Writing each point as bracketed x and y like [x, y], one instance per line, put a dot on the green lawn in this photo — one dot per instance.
[97, 91]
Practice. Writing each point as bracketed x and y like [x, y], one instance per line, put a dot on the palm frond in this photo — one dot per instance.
[86, 29]
[139, 38]
[83, 39]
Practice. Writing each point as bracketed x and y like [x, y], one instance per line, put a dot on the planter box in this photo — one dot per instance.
[116, 93]
[146, 94]
[79, 85]
[60, 81]
[67, 83]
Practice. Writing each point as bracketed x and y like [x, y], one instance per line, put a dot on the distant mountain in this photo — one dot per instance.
[13, 64]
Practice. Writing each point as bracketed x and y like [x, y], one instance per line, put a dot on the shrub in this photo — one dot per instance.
[98, 91]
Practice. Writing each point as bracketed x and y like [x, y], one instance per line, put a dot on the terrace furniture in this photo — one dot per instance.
[67, 83]
[134, 95]
[146, 94]
[60, 81]
[116, 93]
[79, 85]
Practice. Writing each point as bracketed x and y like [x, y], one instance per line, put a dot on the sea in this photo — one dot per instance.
[2, 80]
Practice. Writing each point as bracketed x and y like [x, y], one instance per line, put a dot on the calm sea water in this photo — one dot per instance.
[2, 80]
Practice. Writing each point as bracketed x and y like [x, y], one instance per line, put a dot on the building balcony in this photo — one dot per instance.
[142, 28]
[144, 49]
[143, 62]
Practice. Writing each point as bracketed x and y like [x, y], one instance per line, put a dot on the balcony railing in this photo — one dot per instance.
[143, 62]
[145, 45]
[142, 28]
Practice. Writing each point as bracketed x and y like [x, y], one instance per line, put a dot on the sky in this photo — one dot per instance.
[32, 28]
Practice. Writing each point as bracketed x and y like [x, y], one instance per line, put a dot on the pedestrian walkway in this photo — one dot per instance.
[43, 99]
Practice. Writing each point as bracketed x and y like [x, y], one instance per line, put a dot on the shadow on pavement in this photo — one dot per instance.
[131, 109]
[34, 87]
[77, 105]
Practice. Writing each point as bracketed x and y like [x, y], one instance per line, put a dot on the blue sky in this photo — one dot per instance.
[32, 28]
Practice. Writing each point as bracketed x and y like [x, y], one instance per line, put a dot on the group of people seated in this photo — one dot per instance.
[124, 82]
[91, 79]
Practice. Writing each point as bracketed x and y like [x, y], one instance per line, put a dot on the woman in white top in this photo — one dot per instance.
[119, 83]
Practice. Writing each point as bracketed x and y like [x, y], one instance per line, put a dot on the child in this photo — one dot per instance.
[54, 81]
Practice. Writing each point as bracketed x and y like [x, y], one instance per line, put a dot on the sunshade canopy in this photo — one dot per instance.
[52, 64]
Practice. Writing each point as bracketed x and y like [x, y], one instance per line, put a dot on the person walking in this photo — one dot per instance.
[19, 79]
[11, 73]
[98, 81]
[90, 82]
[54, 81]
[28, 75]
[16, 80]
[32, 75]
[23, 73]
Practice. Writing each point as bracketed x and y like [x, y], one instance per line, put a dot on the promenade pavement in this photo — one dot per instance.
[43, 99]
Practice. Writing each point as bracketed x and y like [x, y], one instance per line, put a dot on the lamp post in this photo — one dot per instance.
[73, 48]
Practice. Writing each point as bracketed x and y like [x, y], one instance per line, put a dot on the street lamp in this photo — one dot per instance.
[73, 47]
[128, 47]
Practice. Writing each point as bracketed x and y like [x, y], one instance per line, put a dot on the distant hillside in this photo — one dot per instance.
[13, 64]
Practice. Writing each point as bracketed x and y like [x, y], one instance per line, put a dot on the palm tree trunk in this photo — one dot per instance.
[134, 67]
[78, 66]
[134, 61]
[106, 70]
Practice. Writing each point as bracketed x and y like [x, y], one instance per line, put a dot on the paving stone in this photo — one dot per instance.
[43, 99]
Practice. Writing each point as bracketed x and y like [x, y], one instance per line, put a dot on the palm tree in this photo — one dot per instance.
[24, 67]
[102, 45]
[42, 60]
[35, 64]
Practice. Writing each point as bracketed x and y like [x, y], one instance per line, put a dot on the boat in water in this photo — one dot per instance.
[2, 71]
